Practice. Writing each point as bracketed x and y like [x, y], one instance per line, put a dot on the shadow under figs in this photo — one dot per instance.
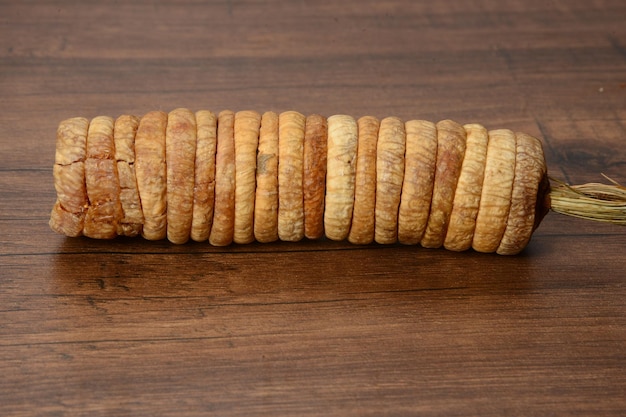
[305, 271]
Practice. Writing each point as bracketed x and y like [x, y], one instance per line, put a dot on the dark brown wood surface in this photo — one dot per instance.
[130, 327]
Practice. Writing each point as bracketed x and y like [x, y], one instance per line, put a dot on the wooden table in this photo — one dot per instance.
[132, 327]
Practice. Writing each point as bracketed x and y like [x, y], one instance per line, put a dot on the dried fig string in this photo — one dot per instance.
[240, 177]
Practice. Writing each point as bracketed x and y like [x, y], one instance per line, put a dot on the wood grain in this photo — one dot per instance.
[134, 327]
